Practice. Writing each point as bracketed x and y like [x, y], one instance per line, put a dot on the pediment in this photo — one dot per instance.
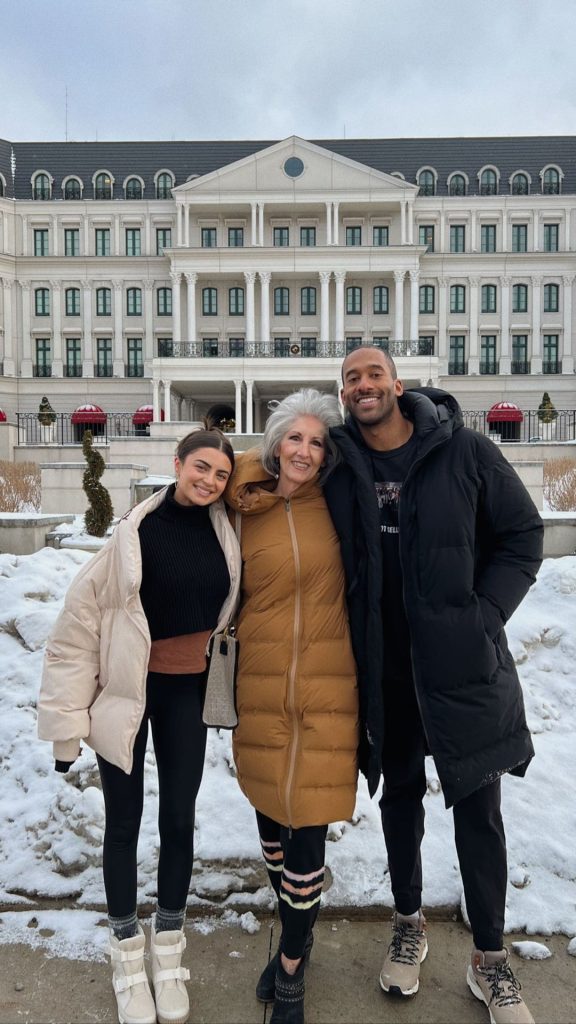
[295, 167]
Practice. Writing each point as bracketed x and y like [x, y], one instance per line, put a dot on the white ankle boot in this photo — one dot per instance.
[133, 995]
[168, 977]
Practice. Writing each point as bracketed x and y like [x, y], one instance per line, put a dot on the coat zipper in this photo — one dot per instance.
[294, 664]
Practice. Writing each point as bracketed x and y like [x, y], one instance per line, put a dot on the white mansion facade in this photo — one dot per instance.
[189, 275]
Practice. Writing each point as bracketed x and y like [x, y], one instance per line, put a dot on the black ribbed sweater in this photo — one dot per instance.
[185, 578]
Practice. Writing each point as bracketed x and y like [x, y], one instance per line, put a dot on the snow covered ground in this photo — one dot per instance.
[51, 826]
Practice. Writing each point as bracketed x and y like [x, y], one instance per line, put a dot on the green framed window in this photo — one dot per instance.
[71, 241]
[164, 185]
[308, 301]
[135, 364]
[426, 298]
[488, 183]
[354, 234]
[43, 367]
[551, 182]
[426, 236]
[380, 235]
[134, 302]
[309, 347]
[72, 302]
[457, 237]
[457, 185]
[235, 238]
[103, 302]
[551, 235]
[381, 299]
[103, 186]
[163, 240]
[520, 185]
[488, 299]
[42, 301]
[281, 302]
[208, 238]
[164, 301]
[41, 187]
[102, 241]
[551, 354]
[73, 365]
[72, 189]
[488, 360]
[457, 298]
[426, 183]
[353, 300]
[236, 301]
[457, 355]
[281, 237]
[41, 242]
[519, 238]
[237, 348]
[104, 357]
[488, 237]
[133, 188]
[551, 298]
[307, 237]
[133, 242]
[209, 302]
[520, 298]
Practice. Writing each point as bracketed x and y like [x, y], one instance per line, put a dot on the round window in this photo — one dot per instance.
[293, 167]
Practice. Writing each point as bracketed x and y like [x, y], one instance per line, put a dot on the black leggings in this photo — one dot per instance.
[478, 828]
[294, 859]
[174, 709]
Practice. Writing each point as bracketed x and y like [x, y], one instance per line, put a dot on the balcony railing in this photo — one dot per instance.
[552, 366]
[530, 428]
[72, 371]
[519, 366]
[103, 371]
[42, 370]
[132, 370]
[489, 368]
[457, 369]
[286, 349]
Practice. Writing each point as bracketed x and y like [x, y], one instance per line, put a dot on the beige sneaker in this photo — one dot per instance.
[133, 996]
[168, 976]
[492, 980]
[401, 969]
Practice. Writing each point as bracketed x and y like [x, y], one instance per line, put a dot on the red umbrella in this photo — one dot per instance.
[505, 412]
[88, 414]
[145, 414]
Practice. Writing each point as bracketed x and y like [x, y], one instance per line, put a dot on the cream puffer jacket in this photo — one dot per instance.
[94, 679]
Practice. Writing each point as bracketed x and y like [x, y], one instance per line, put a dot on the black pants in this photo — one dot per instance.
[478, 828]
[174, 709]
[295, 862]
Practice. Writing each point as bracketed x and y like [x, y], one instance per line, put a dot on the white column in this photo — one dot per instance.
[249, 407]
[504, 232]
[54, 233]
[118, 361]
[186, 215]
[87, 233]
[442, 352]
[325, 276]
[191, 305]
[505, 325]
[117, 236]
[473, 359]
[156, 400]
[167, 401]
[238, 406]
[26, 365]
[473, 226]
[414, 304]
[56, 287]
[176, 309]
[403, 222]
[178, 223]
[340, 276]
[328, 223]
[442, 232]
[399, 304]
[148, 324]
[9, 364]
[87, 353]
[536, 360]
[147, 246]
[25, 240]
[568, 344]
[253, 225]
[265, 277]
[249, 277]
[535, 231]
[335, 232]
[566, 246]
[260, 223]
[410, 222]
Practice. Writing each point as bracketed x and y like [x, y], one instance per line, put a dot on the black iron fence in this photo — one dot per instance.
[286, 348]
[529, 428]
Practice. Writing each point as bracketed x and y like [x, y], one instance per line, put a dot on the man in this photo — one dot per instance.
[441, 542]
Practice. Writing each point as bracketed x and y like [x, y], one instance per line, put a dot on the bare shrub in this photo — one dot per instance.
[19, 487]
[560, 484]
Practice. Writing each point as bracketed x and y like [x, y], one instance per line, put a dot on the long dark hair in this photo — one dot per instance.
[205, 437]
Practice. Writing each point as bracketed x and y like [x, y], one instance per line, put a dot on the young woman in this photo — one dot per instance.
[297, 737]
[129, 649]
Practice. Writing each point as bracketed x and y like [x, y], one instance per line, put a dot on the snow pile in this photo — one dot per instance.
[531, 950]
[51, 826]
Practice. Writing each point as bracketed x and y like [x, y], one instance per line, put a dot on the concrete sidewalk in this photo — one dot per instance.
[341, 981]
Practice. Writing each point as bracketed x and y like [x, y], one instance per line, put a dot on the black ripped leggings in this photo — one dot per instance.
[174, 709]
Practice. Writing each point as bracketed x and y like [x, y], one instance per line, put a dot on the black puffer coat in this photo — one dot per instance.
[470, 548]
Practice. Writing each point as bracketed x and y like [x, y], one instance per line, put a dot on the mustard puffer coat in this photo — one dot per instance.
[296, 742]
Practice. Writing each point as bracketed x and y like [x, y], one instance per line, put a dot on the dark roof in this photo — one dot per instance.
[122, 159]
[5, 169]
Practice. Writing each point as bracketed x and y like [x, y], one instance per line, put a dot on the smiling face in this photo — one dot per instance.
[369, 392]
[202, 476]
[301, 453]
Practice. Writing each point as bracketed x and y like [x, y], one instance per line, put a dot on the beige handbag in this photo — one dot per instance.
[219, 703]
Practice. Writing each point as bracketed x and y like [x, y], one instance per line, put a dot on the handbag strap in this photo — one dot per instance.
[238, 525]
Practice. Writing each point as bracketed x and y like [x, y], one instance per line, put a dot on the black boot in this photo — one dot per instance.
[265, 989]
[289, 996]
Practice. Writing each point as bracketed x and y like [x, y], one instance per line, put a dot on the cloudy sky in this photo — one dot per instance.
[265, 69]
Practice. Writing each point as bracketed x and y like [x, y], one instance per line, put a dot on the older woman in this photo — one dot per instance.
[297, 737]
[129, 650]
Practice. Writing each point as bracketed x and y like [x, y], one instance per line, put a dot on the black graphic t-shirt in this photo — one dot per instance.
[389, 470]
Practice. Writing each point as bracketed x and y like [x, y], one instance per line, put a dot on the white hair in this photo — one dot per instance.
[307, 402]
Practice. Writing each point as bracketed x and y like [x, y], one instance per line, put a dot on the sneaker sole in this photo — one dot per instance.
[477, 991]
[395, 990]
